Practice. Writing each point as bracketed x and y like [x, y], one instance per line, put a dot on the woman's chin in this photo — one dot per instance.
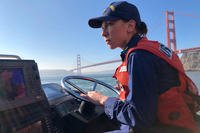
[110, 46]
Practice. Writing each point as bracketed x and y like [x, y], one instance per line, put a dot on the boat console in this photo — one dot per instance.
[26, 106]
[23, 104]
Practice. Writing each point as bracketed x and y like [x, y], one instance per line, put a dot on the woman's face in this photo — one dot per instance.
[115, 33]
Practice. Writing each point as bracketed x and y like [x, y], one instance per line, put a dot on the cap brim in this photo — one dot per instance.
[97, 22]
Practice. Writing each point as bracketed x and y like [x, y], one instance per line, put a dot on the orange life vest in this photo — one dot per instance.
[175, 106]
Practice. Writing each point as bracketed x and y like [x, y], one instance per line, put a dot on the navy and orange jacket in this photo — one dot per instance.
[172, 103]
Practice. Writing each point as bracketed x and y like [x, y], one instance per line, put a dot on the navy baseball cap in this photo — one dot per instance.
[117, 10]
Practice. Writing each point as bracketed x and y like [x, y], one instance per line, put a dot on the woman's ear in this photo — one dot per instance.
[131, 26]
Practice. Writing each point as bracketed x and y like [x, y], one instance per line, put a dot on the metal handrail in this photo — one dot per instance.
[5, 56]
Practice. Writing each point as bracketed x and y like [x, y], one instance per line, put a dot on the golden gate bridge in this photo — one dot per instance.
[170, 37]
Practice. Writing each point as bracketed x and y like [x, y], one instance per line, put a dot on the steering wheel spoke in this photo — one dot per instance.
[75, 86]
[95, 86]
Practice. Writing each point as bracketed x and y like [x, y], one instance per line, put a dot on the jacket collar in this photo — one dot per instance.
[132, 43]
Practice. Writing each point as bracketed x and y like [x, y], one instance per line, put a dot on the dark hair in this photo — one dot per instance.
[141, 28]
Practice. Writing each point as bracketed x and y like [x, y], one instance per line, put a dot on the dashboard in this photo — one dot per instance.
[67, 113]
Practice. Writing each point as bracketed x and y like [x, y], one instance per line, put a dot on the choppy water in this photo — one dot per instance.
[107, 78]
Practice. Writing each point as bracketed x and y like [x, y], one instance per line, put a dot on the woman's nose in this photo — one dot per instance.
[104, 32]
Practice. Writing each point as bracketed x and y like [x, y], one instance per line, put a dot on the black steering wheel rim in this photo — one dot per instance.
[66, 81]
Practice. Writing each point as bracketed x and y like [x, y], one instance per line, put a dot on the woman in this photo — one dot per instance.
[149, 80]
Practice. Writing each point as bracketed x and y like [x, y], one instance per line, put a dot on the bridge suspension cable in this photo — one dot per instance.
[97, 64]
[189, 15]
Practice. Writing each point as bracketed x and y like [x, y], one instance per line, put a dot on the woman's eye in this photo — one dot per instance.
[110, 23]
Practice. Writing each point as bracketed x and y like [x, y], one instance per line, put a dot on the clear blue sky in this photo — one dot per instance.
[53, 32]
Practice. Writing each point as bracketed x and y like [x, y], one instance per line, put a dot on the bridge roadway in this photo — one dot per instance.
[118, 60]
[187, 50]
[97, 64]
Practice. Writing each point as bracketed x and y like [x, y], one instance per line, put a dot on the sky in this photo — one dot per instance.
[54, 32]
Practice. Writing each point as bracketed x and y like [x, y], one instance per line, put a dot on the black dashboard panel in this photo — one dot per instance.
[67, 107]
[22, 100]
[70, 115]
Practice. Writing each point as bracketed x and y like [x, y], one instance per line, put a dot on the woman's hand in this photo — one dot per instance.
[95, 97]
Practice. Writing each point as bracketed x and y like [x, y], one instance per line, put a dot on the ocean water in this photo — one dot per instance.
[107, 78]
[85, 85]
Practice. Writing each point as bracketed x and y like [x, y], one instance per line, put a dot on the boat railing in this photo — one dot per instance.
[6, 56]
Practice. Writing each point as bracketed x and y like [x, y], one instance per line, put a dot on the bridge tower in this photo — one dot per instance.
[78, 64]
[170, 25]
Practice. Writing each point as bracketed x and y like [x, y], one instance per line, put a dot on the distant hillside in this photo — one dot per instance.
[191, 61]
[101, 72]
[53, 72]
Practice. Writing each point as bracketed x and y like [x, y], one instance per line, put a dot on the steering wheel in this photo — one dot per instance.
[67, 85]
[87, 111]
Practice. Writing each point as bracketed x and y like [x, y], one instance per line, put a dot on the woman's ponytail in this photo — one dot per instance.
[141, 28]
